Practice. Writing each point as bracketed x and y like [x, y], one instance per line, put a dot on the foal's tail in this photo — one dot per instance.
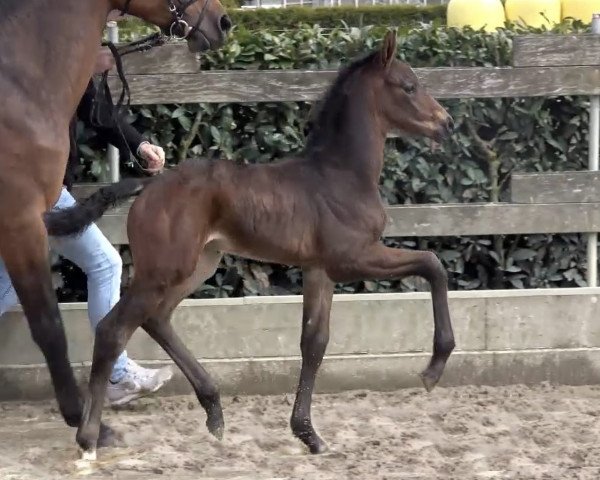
[74, 220]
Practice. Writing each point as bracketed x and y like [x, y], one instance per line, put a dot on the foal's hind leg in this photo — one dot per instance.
[160, 329]
[381, 262]
[204, 386]
[318, 293]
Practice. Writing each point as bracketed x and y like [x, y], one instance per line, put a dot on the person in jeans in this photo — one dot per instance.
[91, 251]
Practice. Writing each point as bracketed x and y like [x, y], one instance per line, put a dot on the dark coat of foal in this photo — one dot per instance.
[321, 210]
[47, 54]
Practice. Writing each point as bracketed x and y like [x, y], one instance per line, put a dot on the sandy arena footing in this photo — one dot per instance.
[514, 432]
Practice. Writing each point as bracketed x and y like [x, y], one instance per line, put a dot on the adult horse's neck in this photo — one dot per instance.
[47, 53]
[354, 139]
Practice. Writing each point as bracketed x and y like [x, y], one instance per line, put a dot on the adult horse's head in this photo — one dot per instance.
[203, 23]
[403, 102]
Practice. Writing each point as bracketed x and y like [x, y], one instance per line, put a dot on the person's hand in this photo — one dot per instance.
[114, 16]
[153, 155]
[104, 60]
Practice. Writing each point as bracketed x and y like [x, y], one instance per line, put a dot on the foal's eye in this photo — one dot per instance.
[410, 88]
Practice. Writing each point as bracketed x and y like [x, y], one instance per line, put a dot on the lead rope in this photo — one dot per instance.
[141, 45]
[144, 44]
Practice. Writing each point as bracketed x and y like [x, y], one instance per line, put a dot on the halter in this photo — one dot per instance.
[178, 23]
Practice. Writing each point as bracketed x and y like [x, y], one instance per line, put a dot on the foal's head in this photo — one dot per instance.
[203, 23]
[402, 102]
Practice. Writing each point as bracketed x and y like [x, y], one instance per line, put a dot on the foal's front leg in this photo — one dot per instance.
[381, 262]
[112, 334]
[318, 293]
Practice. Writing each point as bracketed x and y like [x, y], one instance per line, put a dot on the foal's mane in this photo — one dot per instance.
[325, 119]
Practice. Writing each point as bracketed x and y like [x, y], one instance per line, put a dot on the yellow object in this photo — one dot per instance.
[487, 14]
[580, 9]
[533, 13]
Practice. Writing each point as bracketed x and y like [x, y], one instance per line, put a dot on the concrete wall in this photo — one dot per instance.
[251, 345]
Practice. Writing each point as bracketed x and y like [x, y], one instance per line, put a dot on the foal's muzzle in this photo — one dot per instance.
[444, 129]
[449, 124]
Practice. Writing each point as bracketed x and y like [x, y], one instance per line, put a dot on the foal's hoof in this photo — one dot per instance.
[216, 426]
[313, 442]
[332, 453]
[319, 448]
[87, 456]
[430, 380]
[85, 465]
[109, 437]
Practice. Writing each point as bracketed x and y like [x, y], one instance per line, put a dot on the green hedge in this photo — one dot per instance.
[232, 4]
[330, 17]
[291, 18]
[526, 134]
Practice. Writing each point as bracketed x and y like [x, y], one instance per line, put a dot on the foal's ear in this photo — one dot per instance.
[388, 49]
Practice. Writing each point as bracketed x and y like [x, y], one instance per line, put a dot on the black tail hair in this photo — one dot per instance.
[74, 220]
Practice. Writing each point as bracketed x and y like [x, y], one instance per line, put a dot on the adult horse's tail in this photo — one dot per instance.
[74, 220]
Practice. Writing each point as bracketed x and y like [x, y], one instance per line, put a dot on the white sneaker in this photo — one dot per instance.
[137, 382]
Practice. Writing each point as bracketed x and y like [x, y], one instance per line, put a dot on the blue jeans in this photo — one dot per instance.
[98, 259]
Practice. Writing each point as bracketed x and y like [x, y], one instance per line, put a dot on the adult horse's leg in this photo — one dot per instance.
[160, 329]
[382, 262]
[318, 294]
[24, 248]
[24, 196]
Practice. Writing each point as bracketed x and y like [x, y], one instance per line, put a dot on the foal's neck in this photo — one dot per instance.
[357, 143]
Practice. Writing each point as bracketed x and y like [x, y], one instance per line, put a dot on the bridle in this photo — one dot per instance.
[179, 22]
[179, 28]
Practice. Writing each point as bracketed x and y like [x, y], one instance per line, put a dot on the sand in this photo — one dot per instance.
[516, 432]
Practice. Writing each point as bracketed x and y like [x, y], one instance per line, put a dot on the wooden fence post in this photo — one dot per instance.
[593, 136]
[112, 153]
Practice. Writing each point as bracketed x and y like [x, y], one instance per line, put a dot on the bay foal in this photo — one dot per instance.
[320, 210]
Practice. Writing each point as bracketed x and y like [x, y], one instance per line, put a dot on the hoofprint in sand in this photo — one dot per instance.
[515, 432]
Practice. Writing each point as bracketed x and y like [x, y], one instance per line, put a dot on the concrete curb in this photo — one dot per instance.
[379, 342]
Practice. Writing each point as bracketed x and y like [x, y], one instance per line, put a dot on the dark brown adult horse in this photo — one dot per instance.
[47, 54]
[321, 210]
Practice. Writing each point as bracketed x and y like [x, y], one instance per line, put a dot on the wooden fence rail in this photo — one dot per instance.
[170, 74]
[248, 86]
[439, 220]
